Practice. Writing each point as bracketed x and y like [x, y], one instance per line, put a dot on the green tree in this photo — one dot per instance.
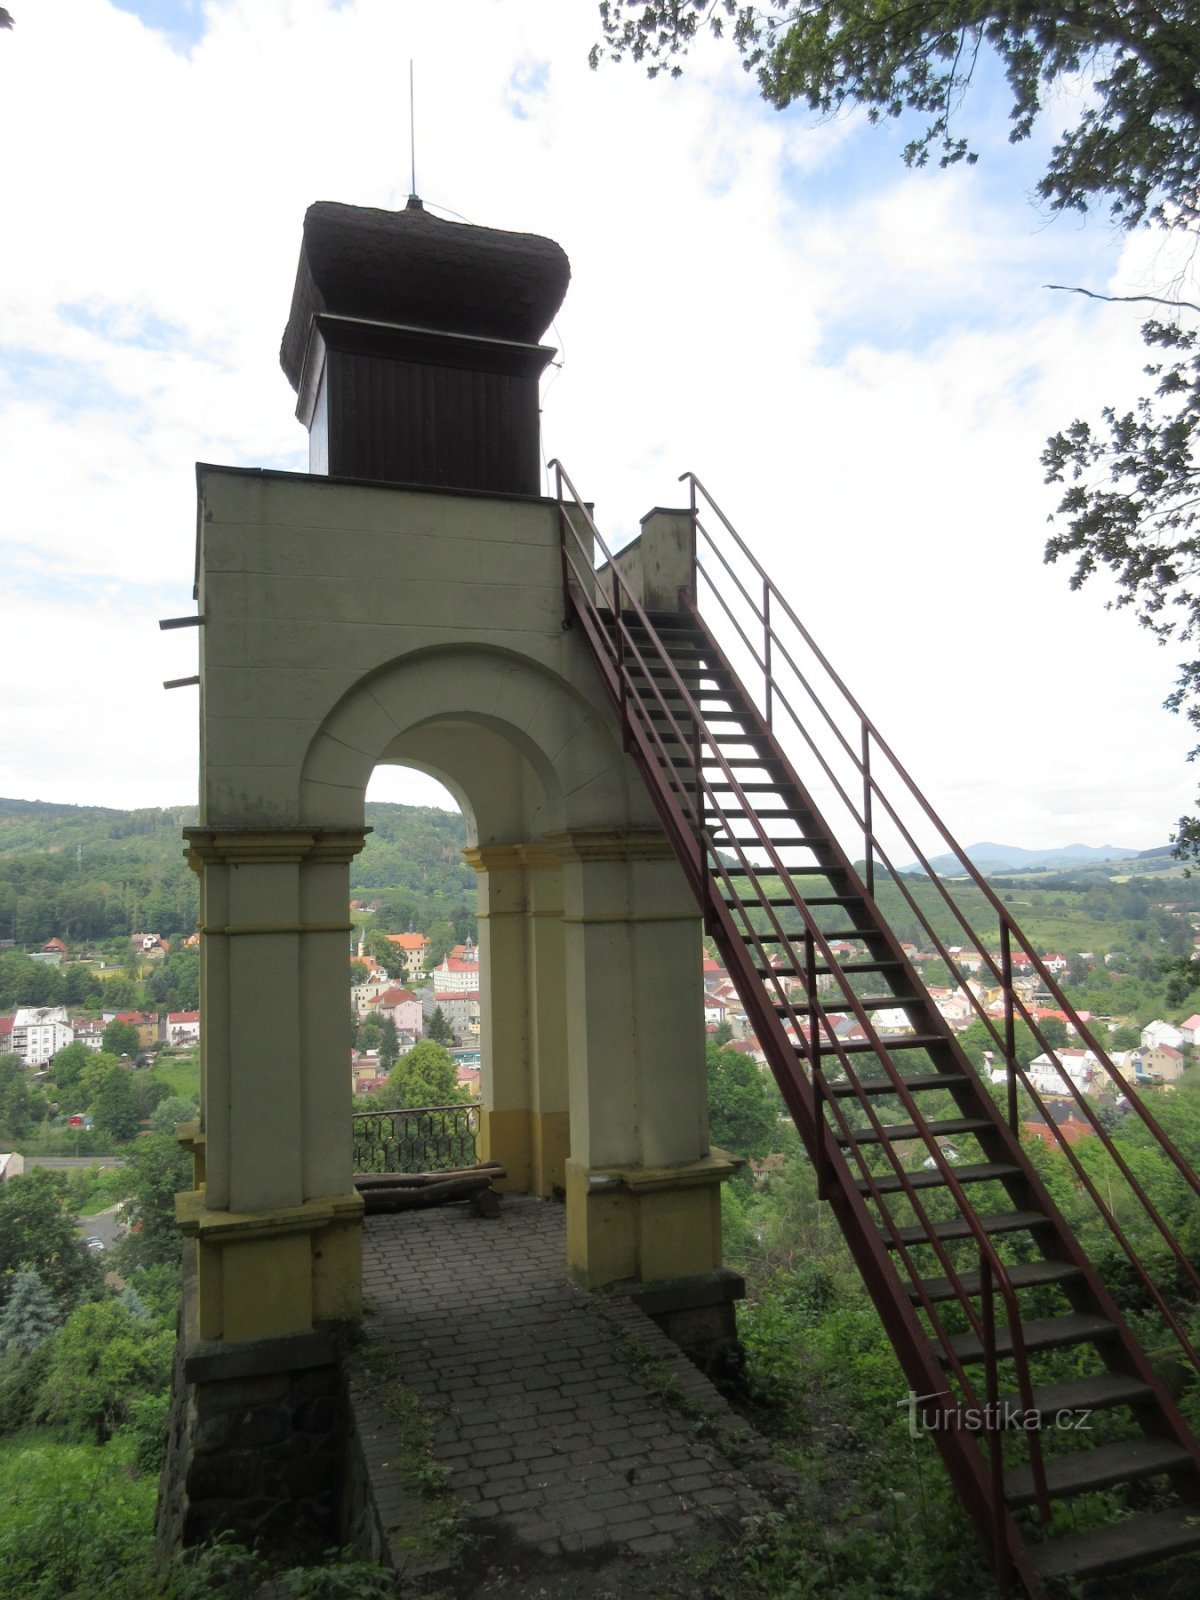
[36, 1231]
[1132, 140]
[426, 1076]
[442, 939]
[438, 1029]
[102, 1359]
[22, 1107]
[29, 1316]
[388, 955]
[1055, 1033]
[169, 1111]
[115, 1107]
[68, 1065]
[97, 1069]
[157, 1170]
[389, 1043]
[744, 1108]
[121, 1039]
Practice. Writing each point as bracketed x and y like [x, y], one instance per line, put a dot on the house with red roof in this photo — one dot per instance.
[183, 1027]
[413, 947]
[455, 976]
[403, 1008]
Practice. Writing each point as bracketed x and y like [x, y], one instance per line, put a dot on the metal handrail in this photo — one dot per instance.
[414, 1139]
[775, 701]
[615, 642]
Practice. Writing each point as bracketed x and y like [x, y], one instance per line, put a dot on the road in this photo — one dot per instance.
[65, 1163]
[101, 1225]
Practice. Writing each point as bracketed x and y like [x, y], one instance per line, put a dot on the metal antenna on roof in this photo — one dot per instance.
[413, 201]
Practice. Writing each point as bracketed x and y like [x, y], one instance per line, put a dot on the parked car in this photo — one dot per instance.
[94, 1243]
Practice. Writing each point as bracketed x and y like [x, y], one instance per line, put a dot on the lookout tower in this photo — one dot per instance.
[403, 603]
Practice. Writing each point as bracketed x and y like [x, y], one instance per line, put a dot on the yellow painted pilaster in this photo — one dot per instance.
[645, 1223]
[262, 1275]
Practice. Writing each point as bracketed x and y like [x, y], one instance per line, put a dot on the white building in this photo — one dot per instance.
[1079, 1066]
[40, 1032]
[456, 977]
[1157, 1033]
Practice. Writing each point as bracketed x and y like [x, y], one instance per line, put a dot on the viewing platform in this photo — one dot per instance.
[550, 1428]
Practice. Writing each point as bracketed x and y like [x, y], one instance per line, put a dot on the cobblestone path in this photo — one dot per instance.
[566, 1421]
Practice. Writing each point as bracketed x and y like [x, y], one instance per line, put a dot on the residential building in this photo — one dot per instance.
[413, 947]
[1163, 1062]
[183, 1027]
[456, 977]
[39, 1032]
[1079, 1066]
[461, 1010]
[402, 1007]
[1156, 1033]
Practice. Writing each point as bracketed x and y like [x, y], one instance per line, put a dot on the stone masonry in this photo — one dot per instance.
[565, 1422]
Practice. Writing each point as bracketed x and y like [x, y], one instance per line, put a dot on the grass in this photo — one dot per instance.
[75, 1519]
[181, 1073]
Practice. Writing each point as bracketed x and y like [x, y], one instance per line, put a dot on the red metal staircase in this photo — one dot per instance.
[1000, 1321]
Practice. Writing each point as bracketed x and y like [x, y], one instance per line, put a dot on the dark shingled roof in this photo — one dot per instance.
[415, 269]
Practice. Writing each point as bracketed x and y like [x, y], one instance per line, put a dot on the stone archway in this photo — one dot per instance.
[412, 609]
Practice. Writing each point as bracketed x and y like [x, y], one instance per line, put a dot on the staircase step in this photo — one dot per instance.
[1101, 1392]
[897, 1132]
[1085, 1470]
[867, 1002]
[894, 1042]
[1022, 1275]
[774, 813]
[940, 1080]
[931, 1178]
[1152, 1536]
[750, 788]
[1041, 1333]
[996, 1222]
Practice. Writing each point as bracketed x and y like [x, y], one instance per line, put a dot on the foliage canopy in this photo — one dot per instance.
[1133, 135]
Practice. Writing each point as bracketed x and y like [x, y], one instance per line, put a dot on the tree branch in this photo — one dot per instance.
[1152, 299]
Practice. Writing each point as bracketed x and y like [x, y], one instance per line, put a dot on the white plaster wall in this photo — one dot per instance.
[365, 612]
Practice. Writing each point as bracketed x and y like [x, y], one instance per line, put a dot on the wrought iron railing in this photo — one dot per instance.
[424, 1139]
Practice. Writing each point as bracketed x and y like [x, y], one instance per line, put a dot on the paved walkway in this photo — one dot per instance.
[565, 1422]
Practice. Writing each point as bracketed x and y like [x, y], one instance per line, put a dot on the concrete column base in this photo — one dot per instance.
[274, 1274]
[254, 1441]
[698, 1315]
[650, 1224]
[531, 1146]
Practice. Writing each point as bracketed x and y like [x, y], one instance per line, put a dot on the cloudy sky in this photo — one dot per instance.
[861, 362]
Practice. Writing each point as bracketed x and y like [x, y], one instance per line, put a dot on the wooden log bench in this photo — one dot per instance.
[412, 1191]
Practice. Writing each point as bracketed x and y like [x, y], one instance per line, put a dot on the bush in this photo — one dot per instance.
[76, 1521]
[146, 1430]
[101, 1360]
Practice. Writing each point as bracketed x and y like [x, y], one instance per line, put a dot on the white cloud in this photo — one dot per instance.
[859, 360]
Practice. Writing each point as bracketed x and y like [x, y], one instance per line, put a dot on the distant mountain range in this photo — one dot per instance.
[991, 858]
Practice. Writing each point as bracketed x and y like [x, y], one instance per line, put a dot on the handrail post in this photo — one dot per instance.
[1010, 1027]
[818, 1070]
[868, 824]
[562, 544]
[768, 674]
[992, 1425]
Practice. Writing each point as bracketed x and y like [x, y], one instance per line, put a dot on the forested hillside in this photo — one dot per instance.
[84, 873]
